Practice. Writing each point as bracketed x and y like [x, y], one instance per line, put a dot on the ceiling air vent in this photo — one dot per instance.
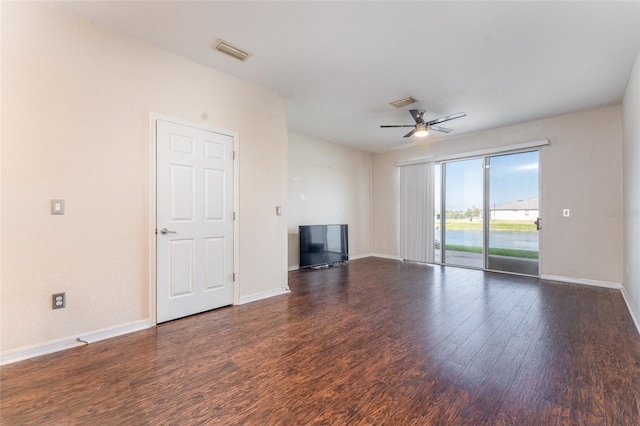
[403, 102]
[230, 50]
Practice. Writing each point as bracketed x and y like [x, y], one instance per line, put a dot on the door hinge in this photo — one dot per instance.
[234, 276]
[234, 215]
[234, 155]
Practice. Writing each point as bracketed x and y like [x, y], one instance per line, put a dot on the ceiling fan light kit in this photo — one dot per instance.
[421, 128]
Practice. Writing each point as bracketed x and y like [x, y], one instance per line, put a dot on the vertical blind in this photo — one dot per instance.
[416, 212]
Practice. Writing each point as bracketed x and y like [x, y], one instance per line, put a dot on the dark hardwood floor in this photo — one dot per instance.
[375, 342]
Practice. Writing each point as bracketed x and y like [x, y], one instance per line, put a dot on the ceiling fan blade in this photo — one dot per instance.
[410, 133]
[417, 115]
[399, 125]
[440, 129]
[447, 118]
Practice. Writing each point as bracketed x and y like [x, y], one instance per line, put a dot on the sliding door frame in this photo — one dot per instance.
[485, 204]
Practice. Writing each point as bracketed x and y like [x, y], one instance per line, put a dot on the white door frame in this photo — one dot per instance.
[153, 118]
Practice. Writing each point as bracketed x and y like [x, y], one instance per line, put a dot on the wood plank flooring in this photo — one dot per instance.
[377, 342]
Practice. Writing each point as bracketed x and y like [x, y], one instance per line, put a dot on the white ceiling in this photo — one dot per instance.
[341, 63]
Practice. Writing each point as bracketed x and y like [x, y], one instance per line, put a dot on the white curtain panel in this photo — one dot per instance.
[416, 212]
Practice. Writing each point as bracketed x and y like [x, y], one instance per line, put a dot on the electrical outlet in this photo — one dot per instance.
[59, 300]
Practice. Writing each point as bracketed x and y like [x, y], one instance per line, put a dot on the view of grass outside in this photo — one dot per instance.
[527, 228]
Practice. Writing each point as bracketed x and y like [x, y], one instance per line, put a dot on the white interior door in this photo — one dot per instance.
[194, 220]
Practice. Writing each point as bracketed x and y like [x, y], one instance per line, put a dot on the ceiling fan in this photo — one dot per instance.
[421, 128]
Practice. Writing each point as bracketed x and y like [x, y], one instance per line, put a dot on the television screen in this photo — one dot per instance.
[323, 244]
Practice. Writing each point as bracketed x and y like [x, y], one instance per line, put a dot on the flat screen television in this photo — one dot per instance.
[323, 245]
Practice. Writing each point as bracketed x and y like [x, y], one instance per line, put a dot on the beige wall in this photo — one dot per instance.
[581, 170]
[78, 129]
[631, 137]
[328, 183]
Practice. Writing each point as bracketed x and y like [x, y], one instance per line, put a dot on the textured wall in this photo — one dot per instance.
[631, 136]
[328, 183]
[78, 129]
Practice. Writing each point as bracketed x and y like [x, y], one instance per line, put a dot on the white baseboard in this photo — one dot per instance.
[635, 315]
[583, 281]
[263, 295]
[294, 268]
[386, 256]
[360, 256]
[40, 349]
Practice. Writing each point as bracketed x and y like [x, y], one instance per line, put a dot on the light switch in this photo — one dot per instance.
[57, 206]
[566, 213]
[279, 210]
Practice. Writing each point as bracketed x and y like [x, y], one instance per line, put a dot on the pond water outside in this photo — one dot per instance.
[518, 240]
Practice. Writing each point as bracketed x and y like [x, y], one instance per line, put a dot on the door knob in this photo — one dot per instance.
[165, 231]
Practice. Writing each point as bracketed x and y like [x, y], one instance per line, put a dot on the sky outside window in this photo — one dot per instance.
[513, 177]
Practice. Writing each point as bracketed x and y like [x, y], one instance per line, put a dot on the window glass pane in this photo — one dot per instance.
[437, 203]
[464, 237]
[513, 209]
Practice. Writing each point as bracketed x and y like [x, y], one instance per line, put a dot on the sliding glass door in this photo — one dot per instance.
[513, 205]
[463, 226]
[486, 213]
[437, 214]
